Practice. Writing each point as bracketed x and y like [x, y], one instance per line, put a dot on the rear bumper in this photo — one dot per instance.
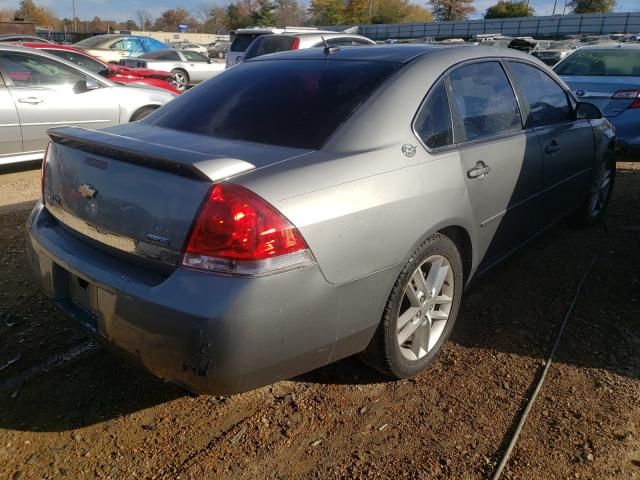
[627, 126]
[209, 333]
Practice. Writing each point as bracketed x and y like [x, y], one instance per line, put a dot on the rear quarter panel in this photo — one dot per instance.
[360, 203]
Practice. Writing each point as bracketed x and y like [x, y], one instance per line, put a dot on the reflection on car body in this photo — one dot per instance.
[314, 205]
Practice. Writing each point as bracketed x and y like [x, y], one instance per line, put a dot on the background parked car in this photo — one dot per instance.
[115, 73]
[218, 49]
[311, 219]
[41, 91]
[187, 68]
[17, 38]
[112, 48]
[609, 77]
[556, 51]
[266, 44]
[194, 47]
[242, 38]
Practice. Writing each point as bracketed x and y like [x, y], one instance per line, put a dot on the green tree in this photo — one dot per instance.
[130, 25]
[170, 19]
[509, 9]
[28, 10]
[357, 11]
[263, 16]
[289, 13]
[592, 6]
[398, 11]
[237, 17]
[327, 12]
[446, 10]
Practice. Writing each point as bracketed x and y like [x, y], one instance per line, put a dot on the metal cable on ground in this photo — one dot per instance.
[549, 359]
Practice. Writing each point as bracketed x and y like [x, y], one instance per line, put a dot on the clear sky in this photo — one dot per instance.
[124, 9]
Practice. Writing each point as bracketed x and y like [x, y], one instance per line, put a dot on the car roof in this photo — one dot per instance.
[399, 53]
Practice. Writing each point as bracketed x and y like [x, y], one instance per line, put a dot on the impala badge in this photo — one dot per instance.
[87, 191]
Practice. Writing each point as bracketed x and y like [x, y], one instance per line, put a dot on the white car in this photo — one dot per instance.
[41, 91]
[194, 47]
[187, 68]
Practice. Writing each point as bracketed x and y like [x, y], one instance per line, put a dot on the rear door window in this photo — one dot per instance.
[269, 44]
[242, 41]
[79, 59]
[548, 102]
[278, 102]
[433, 123]
[484, 102]
[34, 71]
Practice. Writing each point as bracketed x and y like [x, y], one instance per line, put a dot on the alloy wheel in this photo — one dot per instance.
[425, 307]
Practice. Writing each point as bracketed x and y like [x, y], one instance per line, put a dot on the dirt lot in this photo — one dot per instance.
[69, 409]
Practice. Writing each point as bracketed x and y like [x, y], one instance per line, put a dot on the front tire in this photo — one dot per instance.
[141, 113]
[420, 312]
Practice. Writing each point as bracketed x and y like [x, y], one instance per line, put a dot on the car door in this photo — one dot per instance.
[10, 133]
[501, 161]
[48, 93]
[567, 144]
[198, 66]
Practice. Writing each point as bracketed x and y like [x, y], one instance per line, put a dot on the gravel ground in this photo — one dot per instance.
[71, 410]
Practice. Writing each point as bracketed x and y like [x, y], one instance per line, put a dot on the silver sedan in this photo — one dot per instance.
[187, 67]
[41, 91]
[307, 206]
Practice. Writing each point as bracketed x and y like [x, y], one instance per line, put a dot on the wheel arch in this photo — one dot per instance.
[152, 106]
[461, 238]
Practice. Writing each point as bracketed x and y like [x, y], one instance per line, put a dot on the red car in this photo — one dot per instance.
[115, 73]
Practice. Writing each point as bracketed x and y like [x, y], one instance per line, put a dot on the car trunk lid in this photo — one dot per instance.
[600, 91]
[135, 190]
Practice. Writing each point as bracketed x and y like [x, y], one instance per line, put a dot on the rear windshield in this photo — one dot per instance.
[242, 41]
[294, 103]
[269, 44]
[90, 42]
[602, 63]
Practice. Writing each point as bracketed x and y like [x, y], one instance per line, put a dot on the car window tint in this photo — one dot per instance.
[194, 56]
[278, 102]
[242, 41]
[128, 44]
[433, 124]
[548, 103]
[599, 63]
[33, 71]
[269, 44]
[79, 59]
[484, 100]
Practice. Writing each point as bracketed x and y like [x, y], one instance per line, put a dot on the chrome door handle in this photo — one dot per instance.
[31, 100]
[553, 147]
[481, 170]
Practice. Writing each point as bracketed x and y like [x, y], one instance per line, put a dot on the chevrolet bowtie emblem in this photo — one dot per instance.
[87, 191]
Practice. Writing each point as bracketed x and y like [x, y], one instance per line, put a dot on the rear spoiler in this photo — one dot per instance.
[174, 160]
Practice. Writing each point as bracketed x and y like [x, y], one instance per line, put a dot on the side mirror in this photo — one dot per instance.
[587, 111]
[89, 83]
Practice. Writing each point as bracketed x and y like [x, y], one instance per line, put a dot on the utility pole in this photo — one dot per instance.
[73, 8]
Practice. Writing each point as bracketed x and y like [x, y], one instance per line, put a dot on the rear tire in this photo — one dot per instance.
[141, 113]
[180, 79]
[604, 176]
[421, 310]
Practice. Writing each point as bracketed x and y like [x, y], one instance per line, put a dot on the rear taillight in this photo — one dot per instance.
[296, 43]
[629, 95]
[43, 170]
[238, 232]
